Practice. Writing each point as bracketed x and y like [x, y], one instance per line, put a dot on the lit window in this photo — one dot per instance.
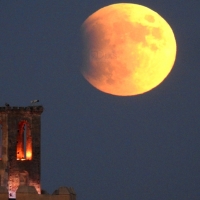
[24, 141]
[1, 141]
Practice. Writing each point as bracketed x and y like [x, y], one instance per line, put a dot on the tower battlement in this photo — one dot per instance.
[30, 109]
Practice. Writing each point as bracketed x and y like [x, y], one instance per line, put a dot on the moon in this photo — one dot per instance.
[128, 49]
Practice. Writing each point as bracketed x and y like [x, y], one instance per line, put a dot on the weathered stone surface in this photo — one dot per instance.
[3, 190]
[4, 196]
[61, 190]
[26, 189]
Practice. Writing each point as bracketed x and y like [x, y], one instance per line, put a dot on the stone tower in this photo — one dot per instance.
[20, 147]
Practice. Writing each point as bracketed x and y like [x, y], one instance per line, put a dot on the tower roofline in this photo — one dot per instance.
[31, 109]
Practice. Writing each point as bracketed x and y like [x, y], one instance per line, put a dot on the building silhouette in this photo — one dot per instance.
[20, 156]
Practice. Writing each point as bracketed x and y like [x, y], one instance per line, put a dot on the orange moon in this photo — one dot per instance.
[128, 49]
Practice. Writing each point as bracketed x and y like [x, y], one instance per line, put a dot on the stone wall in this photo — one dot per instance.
[30, 193]
[16, 170]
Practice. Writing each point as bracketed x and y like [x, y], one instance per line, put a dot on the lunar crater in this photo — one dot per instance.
[149, 18]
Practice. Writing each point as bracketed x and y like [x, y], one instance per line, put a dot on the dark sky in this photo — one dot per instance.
[143, 147]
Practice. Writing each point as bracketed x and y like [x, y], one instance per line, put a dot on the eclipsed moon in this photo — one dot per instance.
[128, 49]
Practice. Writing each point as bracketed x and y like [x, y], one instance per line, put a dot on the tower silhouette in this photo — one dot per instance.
[20, 147]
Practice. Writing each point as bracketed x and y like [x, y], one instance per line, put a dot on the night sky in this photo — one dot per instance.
[106, 147]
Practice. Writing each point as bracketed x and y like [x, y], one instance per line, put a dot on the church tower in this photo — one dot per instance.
[20, 147]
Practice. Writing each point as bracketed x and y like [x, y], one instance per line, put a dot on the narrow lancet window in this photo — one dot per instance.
[1, 141]
[24, 142]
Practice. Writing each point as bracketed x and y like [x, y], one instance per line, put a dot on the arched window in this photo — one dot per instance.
[24, 141]
[1, 141]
